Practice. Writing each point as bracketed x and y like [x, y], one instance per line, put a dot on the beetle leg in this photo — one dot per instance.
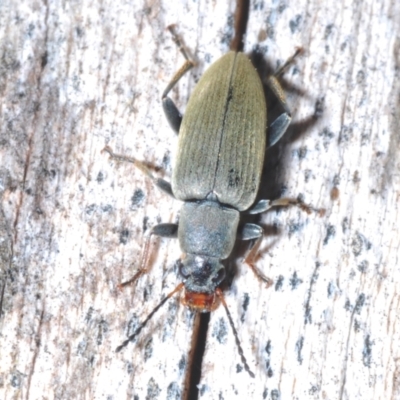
[260, 207]
[265, 205]
[285, 201]
[172, 113]
[160, 183]
[276, 87]
[250, 232]
[279, 126]
[162, 230]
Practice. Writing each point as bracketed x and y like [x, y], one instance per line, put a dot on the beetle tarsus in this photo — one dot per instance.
[132, 280]
[250, 259]
[160, 183]
[172, 113]
[178, 42]
[260, 276]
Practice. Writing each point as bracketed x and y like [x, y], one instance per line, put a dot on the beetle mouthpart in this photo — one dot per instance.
[200, 302]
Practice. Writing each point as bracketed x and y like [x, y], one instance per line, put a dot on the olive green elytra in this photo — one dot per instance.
[222, 137]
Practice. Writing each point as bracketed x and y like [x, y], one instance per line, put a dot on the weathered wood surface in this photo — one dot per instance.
[75, 76]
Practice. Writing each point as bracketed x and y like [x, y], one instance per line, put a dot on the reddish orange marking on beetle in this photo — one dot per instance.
[202, 302]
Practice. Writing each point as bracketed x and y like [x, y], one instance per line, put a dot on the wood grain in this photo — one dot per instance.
[76, 76]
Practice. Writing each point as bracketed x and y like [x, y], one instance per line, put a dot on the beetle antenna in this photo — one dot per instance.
[144, 323]
[242, 357]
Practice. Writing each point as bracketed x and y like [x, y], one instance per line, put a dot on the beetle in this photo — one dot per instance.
[217, 173]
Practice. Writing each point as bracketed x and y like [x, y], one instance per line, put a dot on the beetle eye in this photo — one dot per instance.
[220, 276]
[182, 271]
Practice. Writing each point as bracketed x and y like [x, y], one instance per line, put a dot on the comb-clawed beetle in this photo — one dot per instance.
[217, 173]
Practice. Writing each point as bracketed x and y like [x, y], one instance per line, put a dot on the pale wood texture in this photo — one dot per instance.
[75, 76]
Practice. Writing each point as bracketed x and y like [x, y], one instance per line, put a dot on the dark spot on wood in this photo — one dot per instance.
[15, 380]
[220, 331]
[44, 59]
[153, 390]
[357, 325]
[302, 152]
[347, 305]
[182, 364]
[356, 177]
[279, 283]
[145, 224]
[275, 394]
[327, 135]
[295, 23]
[314, 389]
[295, 281]
[345, 224]
[331, 289]
[319, 107]
[294, 226]
[137, 199]
[299, 348]
[328, 31]
[148, 349]
[124, 236]
[358, 243]
[307, 175]
[245, 305]
[89, 210]
[363, 266]
[100, 177]
[79, 31]
[360, 77]
[106, 208]
[262, 35]
[268, 348]
[103, 328]
[129, 368]
[330, 233]
[346, 134]
[334, 193]
[147, 292]
[367, 351]
[359, 303]
[173, 391]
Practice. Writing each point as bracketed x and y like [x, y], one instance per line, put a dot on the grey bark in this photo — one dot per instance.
[76, 76]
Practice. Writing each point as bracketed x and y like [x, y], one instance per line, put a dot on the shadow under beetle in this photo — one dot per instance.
[217, 173]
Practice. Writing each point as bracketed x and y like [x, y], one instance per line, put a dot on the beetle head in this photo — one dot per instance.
[201, 276]
[200, 302]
